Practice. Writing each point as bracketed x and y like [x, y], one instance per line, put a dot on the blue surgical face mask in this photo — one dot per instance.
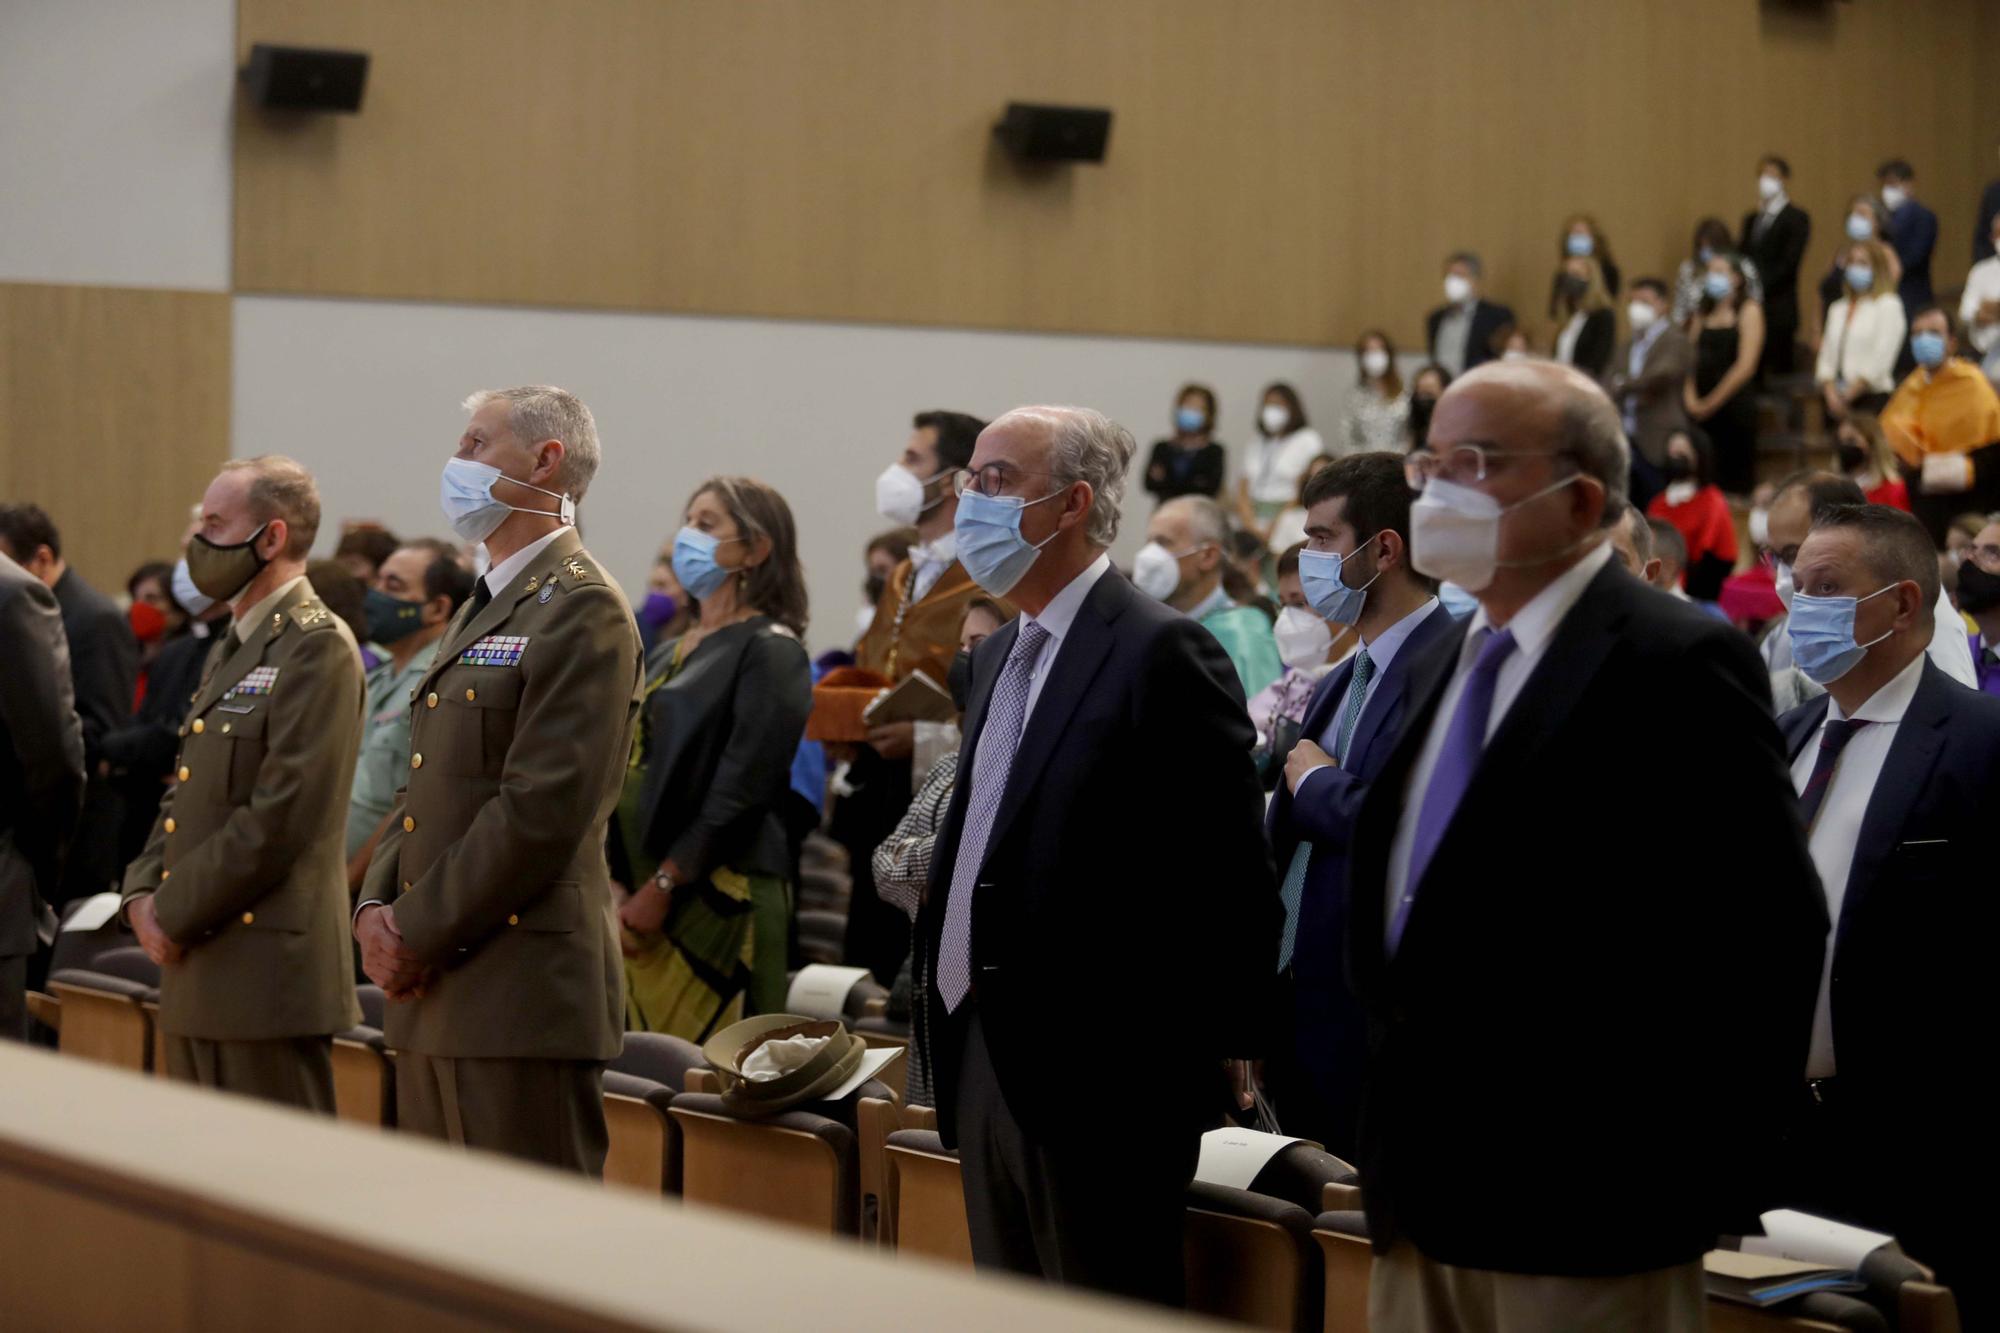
[1822, 630]
[694, 562]
[1706, 255]
[1860, 227]
[1719, 286]
[1190, 419]
[990, 544]
[1579, 243]
[1860, 277]
[1331, 598]
[466, 495]
[1928, 348]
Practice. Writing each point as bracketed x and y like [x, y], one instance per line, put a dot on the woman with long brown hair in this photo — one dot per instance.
[701, 835]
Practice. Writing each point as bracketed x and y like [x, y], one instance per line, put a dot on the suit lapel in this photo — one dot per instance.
[533, 576]
[1801, 723]
[1395, 681]
[1080, 654]
[227, 673]
[1906, 771]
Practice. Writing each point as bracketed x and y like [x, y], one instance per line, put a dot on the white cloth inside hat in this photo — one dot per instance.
[775, 1059]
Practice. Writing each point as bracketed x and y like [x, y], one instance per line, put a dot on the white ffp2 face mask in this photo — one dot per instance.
[1375, 362]
[465, 493]
[899, 496]
[1304, 639]
[1455, 531]
[1274, 418]
[1156, 571]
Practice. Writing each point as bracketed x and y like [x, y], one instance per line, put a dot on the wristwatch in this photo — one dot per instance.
[662, 883]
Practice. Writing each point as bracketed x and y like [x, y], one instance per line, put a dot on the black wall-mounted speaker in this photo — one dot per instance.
[1037, 133]
[304, 78]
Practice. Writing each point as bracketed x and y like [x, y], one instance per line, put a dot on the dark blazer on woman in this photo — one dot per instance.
[1594, 343]
[723, 733]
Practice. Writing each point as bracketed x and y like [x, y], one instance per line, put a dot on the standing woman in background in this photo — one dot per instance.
[1378, 412]
[1426, 386]
[1276, 460]
[1581, 239]
[699, 829]
[1192, 460]
[1728, 335]
[1589, 329]
[1711, 238]
[1863, 334]
[1864, 223]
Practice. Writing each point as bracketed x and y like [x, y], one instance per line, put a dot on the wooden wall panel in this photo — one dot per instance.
[114, 412]
[1282, 170]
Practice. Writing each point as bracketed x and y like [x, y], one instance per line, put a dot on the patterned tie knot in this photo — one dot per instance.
[1364, 666]
[1030, 642]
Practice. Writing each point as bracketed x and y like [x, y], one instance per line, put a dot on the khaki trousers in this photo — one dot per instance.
[547, 1111]
[1411, 1294]
[291, 1071]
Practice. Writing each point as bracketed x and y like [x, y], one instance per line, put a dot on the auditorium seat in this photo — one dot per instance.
[129, 962]
[1346, 1261]
[1251, 1259]
[364, 1078]
[103, 1018]
[822, 936]
[923, 1199]
[1901, 1298]
[1311, 1177]
[645, 1142]
[661, 1057]
[798, 1167]
[372, 1002]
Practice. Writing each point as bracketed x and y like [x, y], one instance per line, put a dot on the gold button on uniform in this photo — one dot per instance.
[166, 875]
[409, 824]
[226, 726]
[470, 695]
[416, 761]
[170, 824]
[406, 886]
[249, 917]
[431, 700]
[184, 773]
[199, 726]
[513, 920]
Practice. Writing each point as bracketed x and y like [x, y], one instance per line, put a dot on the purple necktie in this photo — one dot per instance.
[1456, 763]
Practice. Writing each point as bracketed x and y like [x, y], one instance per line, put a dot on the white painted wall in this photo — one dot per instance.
[367, 394]
[114, 141]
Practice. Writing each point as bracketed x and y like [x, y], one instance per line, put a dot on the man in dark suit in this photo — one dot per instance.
[1103, 835]
[1355, 570]
[1912, 232]
[41, 776]
[1467, 330]
[1774, 237]
[104, 668]
[1541, 990]
[1898, 772]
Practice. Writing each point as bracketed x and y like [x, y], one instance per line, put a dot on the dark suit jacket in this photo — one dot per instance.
[720, 741]
[1622, 1023]
[1913, 231]
[1128, 846]
[1330, 1041]
[104, 666]
[1592, 353]
[41, 755]
[1777, 255]
[1910, 995]
[1490, 322]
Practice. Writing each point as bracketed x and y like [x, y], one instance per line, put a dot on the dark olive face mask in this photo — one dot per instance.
[223, 571]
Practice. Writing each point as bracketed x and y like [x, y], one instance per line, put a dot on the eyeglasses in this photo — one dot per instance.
[1462, 464]
[990, 480]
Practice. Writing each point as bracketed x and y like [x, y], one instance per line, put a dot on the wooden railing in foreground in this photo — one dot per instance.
[129, 1202]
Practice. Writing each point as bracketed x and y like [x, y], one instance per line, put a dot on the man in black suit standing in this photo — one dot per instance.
[1104, 836]
[1541, 991]
[41, 776]
[1467, 330]
[1897, 767]
[1356, 571]
[1774, 237]
[104, 667]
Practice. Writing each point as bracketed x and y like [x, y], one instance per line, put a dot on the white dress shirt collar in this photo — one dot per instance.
[504, 573]
[1536, 623]
[1383, 650]
[1776, 204]
[1060, 613]
[940, 552]
[1890, 702]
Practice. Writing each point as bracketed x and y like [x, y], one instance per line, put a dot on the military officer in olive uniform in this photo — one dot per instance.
[486, 914]
[241, 892]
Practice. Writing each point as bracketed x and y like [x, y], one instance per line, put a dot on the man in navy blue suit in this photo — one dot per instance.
[1897, 767]
[1355, 571]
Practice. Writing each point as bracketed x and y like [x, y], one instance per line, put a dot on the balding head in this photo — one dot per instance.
[1798, 498]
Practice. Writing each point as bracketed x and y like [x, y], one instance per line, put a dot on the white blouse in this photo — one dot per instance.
[1863, 352]
[1273, 466]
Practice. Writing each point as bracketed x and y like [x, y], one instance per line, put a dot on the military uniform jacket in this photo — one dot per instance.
[494, 857]
[247, 860]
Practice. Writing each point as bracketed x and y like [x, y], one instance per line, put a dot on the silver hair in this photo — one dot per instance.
[537, 412]
[1085, 445]
[1207, 522]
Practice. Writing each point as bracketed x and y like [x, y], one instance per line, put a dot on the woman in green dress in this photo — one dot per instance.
[699, 823]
